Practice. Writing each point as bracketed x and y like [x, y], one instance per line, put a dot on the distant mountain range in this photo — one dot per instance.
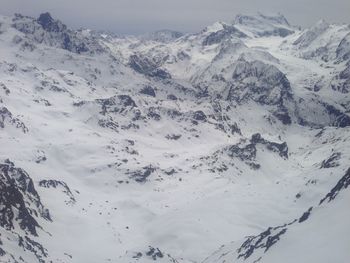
[228, 145]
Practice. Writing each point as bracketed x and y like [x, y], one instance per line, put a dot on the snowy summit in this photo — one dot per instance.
[227, 145]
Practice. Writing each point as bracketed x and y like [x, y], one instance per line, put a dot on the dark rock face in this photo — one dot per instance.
[141, 176]
[282, 114]
[305, 216]
[117, 104]
[58, 184]
[181, 55]
[173, 136]
[20, 210]
[311, 34]
[172, 113]
[54, 33]
[343, 50]
[170, 171]
[154, 113]
[148, 90]
[27, 244]
[126, 101]
[340, 119]
[137, 255]
[263, 241]
[154, 253]
[147, 67]
[332, 161]
[342, 82]
[41, 159]
[109, 123]
[280, 148]
[233, 128]
[6, 117]
[16, 192]
[245, 153]
[327, 114]
[199, 116]
[5, 89]
[259, 82]
[49, 24]
[345, 74]
[343, 183]
[69, 44]
[171, 97]
[2, 252]
[219, 36]
[280, 31]
[224, 122]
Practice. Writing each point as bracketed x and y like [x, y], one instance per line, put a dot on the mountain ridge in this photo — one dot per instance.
[164, 147]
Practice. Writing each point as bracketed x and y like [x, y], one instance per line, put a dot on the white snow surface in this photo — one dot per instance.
[197, 199]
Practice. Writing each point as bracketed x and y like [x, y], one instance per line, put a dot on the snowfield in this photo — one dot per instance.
[228, 145]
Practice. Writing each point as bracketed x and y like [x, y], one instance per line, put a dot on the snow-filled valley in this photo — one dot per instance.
[227, 145]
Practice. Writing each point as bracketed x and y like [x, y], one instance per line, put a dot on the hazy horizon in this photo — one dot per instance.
[138, 17]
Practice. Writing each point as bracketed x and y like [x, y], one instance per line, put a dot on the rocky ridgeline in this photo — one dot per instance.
[21, 209]
[254, 248]
[46, 30]
[6, 118]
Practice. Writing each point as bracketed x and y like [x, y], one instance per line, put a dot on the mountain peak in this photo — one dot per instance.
[45, 18]
[276, 19]
[312, 34]
[49, 24]
[264, 25]
[217, 26]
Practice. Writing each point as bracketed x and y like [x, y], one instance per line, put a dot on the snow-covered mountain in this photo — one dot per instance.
[227, 145]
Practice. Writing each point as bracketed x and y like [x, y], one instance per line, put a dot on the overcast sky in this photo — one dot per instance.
[140, 16]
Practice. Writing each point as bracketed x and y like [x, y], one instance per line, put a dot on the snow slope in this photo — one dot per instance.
[207, 147]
